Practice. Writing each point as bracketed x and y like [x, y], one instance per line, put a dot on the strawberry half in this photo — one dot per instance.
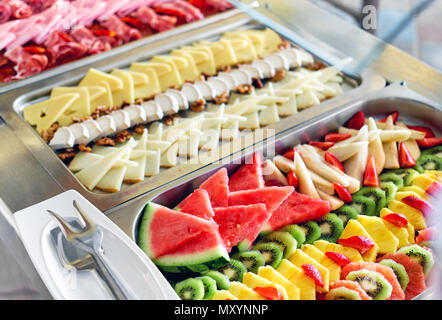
[322, 145]
[406, 160]
[342, 192]
[336, 137]
[360, 243]
[292, 179]
[290, 154]
[429, 142]
[338, 258]
[313, 272]
[397, 219]
[371, 178]
[394, 115]
[357, 121]
[270, 293]
[434, 189]
[427, 234]
[330, 158]
[428, 132]
[419, 204]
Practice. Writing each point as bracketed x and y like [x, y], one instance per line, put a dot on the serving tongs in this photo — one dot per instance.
[80, 248]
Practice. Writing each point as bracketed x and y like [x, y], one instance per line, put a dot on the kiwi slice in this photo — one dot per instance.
[285, 240]
[375, 194]
[342, 293]
[209, 286]
[297, 232]
[346, 213]
[421, 255]
[430, 162]
[389, 176]
[390, 190]
[190, 289]
[435, 151]
[222, 282]
[271, 252]
[252, 259]
[331, 227]
[407, 175]
[234, 270]
[312, 231]
[399, 271]
[373, 283]
[364, 205]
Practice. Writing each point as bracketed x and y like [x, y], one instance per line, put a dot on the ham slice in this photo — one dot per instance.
[26, 64]
[123, 31]
[86, 38]
[5, 12]
[180, 9]
[20, 9]
[156, 22]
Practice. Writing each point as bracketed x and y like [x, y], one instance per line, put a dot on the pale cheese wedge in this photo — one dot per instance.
[136, 174]
[169, 158]
[80, 108]
[223, 53]
[203, 57]
[152, 166]
[269, 115]
[113, 179]
[141, 84]
[242, 46]
[84, 159]
[127, 93]
[93, 76]
[153, 86]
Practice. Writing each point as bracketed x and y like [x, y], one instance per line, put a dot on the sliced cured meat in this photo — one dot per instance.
[123, 31]
[5, 12]
[20, 9]
[180, 9]
[86, 38]
[157, 22]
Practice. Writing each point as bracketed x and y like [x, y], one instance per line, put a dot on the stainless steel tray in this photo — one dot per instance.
[413, 108]
[14, 101]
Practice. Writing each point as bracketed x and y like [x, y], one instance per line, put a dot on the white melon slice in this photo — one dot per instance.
[355, 166]
[390, 148]
[335, 202]
[284, 164]
[271, 172]
[305, 183]
[346, 151]
[321, 183]
[375, 146]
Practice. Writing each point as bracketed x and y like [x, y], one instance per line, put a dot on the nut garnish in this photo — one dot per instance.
[257, 83]
[84, 148]
[139, 129]
[198, 105]
[222, 98]
[67, 154]
[48, 134]
[122, 136]
[284, 45]
[245, 89]
[106, 141]
[279, 75]
[318, 65]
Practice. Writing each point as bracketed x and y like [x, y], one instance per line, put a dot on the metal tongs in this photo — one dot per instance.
[85, 245]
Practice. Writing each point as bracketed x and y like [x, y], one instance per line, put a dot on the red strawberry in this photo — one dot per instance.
[270, 293]
[357, 121]
[292, 179]
[360, 243]
[342, 192]
[394, 115]
[336, 137]
[339, 258]
[290, 154]
[418, 203]
[397, 219]
[406, 160]
[434, 189]
[425, 234]
[428, 132]
[330, 158]
[322, 145]
[371, 178]
[429, 142]
[313, 272]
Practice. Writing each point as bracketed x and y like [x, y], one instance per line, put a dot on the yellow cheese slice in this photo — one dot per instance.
[105, 99]
[169, 158]
[98, 95]
[153, 86]
[80, 108]
[222, 51]
[113, 179]
[242, 45]
[185, 65]
[94, 75]
[203, 57]
[136, 174]
[127, 93]
[258, 39]
[167, 73]
[45, 113]
[141, 84]
[152, 166]
[272, 42]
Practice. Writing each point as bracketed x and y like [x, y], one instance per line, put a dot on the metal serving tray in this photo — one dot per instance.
[413, 108]
[19, 98]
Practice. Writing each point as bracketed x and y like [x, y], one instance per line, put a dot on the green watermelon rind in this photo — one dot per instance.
[208, 257]
[143, 231]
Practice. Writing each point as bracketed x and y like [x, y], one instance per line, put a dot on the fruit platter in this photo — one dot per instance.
[342, 211]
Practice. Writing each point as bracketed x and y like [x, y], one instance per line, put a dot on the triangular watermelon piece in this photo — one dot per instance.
[272, 197]
[236, 223]
[217, 186]
[162, 229]
[248, 176]
[297, 208]
[198, 204]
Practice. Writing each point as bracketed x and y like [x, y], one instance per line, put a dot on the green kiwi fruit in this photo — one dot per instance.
[389, 176]
[342, 293]
[399, 271]
[331, 227]
[222, 282]
[373, 283]
[390, 191]
[375, 194]
[364, 205]
[297, 232]
[407, 174]
[311, 230]
[346, 213]
[430, 162]
[252, 259]
[190, 289]
[209, 286]
[420, 255]
[284, 239]
[271, 252]
[435, 151]
[234, 270]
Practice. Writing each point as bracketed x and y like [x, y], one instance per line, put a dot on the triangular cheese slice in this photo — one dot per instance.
[204, 60]
[127, 93]
[113, 179]
[185, 64]
[81, 107]
[94, 75]
[153, 86]
[136, 174]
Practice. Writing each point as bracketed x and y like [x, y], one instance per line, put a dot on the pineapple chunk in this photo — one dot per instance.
[411, 233]
[252, 281]
[415, 189]
[354, 228]
[243, 292]
[297, 276]
[271, 274]
[350, 253]
[434, 174]
[414, 216]
[402, 194]
[223, 295]
[401, 233]
[318, 255]
[423, 181]
[383, 237]
[299, 258]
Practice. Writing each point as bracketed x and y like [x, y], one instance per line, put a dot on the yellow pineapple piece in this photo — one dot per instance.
[401, 233]
[414, 189]
[297, 276]
[355, 228]
[243, 292]
[423, 181]
[252, 281]
[411, 233]
[272, 275]
[299, 258]
[434, 174]
[414, 216]
[223, 295]
[383, 237]
[318, 255]
[350, 253]
[402, 194]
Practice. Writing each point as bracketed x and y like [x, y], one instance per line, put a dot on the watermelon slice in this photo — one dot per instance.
[163, 230]
[248, 176]
[272, 197]
[237, 223]
[297, 208]
[198, 204]
[217, 186]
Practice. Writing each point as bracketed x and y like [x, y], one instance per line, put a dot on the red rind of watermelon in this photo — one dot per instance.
[248, 176]
[237, 223]
[416, 285]
[352, 285]
[297, 208]
[272, 197]
[396, 294]
[217, 186]
[197, 204]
